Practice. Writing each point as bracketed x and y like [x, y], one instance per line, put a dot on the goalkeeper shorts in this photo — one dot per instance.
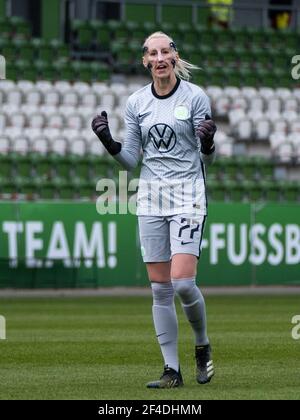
[161, 237]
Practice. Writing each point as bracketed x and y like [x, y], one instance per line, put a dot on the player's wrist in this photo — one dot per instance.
[208, 148]
[113, 147]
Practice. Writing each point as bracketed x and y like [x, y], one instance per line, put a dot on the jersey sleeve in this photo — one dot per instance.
[201, 107]
[130, 153]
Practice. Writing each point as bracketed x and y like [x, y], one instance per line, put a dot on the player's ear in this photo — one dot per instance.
[145, 62]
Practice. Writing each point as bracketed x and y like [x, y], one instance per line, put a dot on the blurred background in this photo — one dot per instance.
[68, 60]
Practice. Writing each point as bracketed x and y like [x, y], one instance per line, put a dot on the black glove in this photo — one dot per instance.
[206, 131]
[101, 129]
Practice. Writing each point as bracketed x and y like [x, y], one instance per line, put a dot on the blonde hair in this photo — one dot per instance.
[182, 67]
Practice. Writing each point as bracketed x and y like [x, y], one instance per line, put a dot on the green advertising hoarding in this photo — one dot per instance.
[68, 244]
[251, 244]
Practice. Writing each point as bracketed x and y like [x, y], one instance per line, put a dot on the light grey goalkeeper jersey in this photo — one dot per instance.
[172, 174]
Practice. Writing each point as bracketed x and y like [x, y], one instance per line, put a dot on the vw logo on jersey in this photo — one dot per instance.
[163, 137]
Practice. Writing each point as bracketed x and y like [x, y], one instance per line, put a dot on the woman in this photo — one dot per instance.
[169, 119]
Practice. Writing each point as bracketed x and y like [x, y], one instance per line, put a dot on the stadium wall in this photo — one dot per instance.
[67, 244]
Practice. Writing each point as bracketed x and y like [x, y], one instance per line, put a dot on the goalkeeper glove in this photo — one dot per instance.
[101, 129]
[206, 131]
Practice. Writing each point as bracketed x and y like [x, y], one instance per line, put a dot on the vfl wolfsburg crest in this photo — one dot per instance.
[181, 112]
[163, 137]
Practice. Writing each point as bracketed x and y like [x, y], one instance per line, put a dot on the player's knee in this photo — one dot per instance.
[163, 293]
[184, 289]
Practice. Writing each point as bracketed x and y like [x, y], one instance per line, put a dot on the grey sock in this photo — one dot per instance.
[194, 307]
[165, 322]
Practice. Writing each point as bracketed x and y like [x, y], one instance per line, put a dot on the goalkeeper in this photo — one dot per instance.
[169, 120]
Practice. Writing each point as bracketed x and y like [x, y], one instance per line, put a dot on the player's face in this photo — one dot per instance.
[160, 56]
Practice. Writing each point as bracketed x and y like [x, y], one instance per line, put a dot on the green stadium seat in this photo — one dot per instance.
[240, 36]
[12, 72]
[6, 27]
[291, 39]
[272, 191]
[246, 167]
[82, 71]
[24, 49]
[47, 52]
[123, 57]
[45, 70]
[213, 171]
[27, 187]
[37, 44]
[84, 33]
[207, 37]
[102, 35]
[255, 36]
[41, 165]
[248, 76]
[290, 191]
[61, 50]
[100, 167]
[8, 50]
[2, 185]
[23, 66]
[232, 77]
[225, 38]
[217, 76]
[22, 164]
[29, 73]
[149, 27]
[5, 166]
[261, 57]
[196, 57]
[61, 165]
[187, 51]
[229, 167]
[7, 186]
[83, 188]
[228, 56]
[277, 40]
[216, 191]
[234, 191]
[100, 71]
[66, 190]
[20, 27]
[118, 30]
[254, 190]
[199, 78]
[47, 189]
[82, 167]
[264, 167]
[136, 31]
[63, 70]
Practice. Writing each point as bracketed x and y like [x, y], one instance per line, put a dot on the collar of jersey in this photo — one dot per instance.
[168, 94]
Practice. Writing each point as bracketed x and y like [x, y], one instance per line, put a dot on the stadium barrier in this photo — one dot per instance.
[66, 244]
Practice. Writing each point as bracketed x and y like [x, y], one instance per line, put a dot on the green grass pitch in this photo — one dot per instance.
[104, 348]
